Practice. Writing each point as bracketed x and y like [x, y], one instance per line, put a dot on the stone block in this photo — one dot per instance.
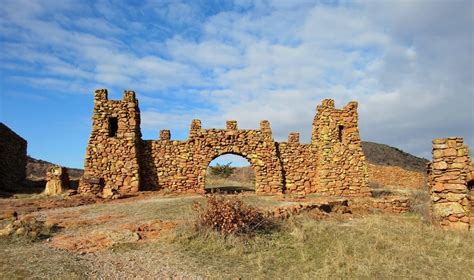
[440, 165]
[447, 208]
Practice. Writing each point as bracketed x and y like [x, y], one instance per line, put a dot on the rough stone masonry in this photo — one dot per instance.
[118, 159]
[450, 179]
[12, 159]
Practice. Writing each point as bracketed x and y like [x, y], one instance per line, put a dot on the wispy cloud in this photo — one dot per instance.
[409, 64]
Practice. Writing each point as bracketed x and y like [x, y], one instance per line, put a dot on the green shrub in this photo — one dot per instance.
[224, 170]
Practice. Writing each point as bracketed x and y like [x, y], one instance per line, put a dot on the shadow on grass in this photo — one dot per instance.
[30, 187]
[229, 189]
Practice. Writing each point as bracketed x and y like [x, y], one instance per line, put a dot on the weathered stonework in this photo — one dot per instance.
[57, 180]
[13, 159]
[448, 182]
[117, 158]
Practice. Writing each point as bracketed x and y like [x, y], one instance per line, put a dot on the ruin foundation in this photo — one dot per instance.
[57, 180]
[450, 182]
[12, 159]
[117, 158]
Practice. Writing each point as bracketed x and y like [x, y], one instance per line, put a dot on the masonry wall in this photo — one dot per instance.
[125, 162]
[341, 164]
[299, 165]
[181, 165]
[12, 159]
[112, 151]
[448, 182]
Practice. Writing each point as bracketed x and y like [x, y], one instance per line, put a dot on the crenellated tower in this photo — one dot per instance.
[111, 160]
[341, 165]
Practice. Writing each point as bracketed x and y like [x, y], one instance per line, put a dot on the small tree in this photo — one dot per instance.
[224, 170]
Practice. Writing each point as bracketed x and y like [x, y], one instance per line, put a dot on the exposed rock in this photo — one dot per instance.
[57, 180]
[447, 208]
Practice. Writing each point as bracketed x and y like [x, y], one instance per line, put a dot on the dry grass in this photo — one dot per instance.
[374, 247]
[228, 185]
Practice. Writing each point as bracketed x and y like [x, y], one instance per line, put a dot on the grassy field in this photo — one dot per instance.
[228, 185]
[371, 247]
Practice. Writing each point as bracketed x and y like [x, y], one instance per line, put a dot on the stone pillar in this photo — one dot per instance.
[165, 134]
[57, 180]
[294, 138]
[447, 180]
[195, 128]
[266, 129]
[231, 125]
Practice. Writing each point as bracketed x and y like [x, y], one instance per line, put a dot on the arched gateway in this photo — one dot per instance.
[332, 164]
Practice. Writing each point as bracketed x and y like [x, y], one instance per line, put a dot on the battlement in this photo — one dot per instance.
[118, 158]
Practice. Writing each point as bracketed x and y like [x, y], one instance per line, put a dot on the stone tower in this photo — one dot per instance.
[112, 153]
[341, 167]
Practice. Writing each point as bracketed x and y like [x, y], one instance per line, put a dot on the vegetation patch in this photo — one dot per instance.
[229, 215]
[374, 247]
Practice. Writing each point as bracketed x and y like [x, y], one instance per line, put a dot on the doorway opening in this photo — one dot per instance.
[230, 173]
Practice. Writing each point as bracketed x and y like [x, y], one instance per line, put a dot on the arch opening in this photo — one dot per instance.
[230, 173]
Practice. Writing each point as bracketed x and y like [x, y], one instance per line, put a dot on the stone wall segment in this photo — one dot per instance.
[120, 159]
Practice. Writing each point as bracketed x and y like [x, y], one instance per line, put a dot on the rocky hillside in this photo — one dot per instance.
[381, 154]
[36, 170]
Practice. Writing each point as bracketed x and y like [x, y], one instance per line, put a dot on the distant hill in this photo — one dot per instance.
[36, 170]
[381, 154]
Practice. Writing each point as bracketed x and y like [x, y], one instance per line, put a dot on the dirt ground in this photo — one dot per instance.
[132, 237]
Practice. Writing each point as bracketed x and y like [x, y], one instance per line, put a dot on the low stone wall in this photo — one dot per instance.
[394, 176]
[448, 182]
[12, 160]
[389, 204]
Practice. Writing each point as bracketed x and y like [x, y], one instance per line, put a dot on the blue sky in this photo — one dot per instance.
[408, 63]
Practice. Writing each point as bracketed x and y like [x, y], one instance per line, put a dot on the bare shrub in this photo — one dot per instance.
[421, 204]
[229, 215]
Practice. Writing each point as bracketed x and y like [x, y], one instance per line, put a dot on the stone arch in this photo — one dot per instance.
[257, 169]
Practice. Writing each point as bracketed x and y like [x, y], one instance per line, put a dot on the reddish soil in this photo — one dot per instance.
[123, 233]
[82, 244]
[74, 220]
[151, 230]
[25, 206]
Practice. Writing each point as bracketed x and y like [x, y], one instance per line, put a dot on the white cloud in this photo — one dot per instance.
[409, 65]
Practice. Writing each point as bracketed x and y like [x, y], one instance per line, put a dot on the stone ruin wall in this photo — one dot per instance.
[332, 164]
[341, 164]
[448, 179]
[181, 165]
[57, 180]
[13, 159]
[112, 156]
